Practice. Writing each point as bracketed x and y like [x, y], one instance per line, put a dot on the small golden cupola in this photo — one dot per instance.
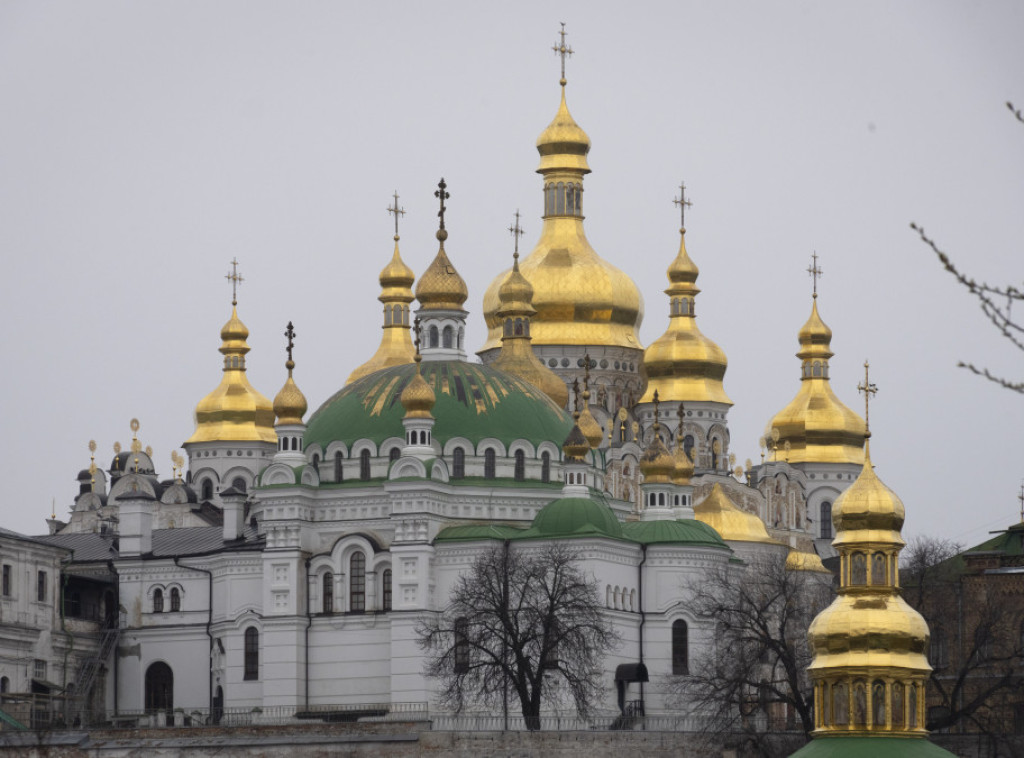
[516, 310]
[732, 523]
[591, 429]
[396, 293]
[418, 399]
[816, 424]
[234, 411]
[582, 301]
[657, 464]
[575, 469]
[870, 665]
[289, 407]
[683, 365]
[683, 471]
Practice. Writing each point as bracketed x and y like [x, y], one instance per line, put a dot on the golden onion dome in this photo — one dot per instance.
[798, 560]
[657, 464]
[441, 287]
[517, 356]
[575, 447]
[868, 511]
[817, 425]
[730, 521]
[418, 398]
[563, 145]
[290, 404]
[395, 347]
[234, 411]
[588, 424]
[683, 364]
[683, 466]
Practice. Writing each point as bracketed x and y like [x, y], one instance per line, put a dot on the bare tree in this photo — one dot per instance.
[754, 679]
[523, 620]
[976, 651]
[991, 299]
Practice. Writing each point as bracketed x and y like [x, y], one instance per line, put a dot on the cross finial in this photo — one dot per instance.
[683, 204]
[657, 402]
[441, 195]
[416, 333]
[586, 376]
[290, 334]
[235, 278]
[1021, 498]
[815, 271]
[562, 50]
[516, 231]
[682, 414]
[868, 389]
[395, 211]
[576, 394]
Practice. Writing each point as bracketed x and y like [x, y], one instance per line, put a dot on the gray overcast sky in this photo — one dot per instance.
[143, 145]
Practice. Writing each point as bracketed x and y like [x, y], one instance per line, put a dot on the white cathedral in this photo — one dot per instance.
[289, 565]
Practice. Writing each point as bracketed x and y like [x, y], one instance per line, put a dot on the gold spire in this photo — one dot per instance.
[869, 668]
[683, 364]
[580, 299]
[657, 464]
[290, 404]
[234, 411]
[418, 398]
[588, 424]
[731, 522]
[683, 471]
[396, 293]
[441, 287]
[516, 309]
[818, 427]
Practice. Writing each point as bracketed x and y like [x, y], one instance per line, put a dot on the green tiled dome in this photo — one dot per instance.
[576, 517]
[688, 532]
[473, 401]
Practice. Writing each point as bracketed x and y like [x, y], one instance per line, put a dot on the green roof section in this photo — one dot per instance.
[473, 401]
[576, 517]
[1009, 543]
[678, 532]
[871, 747]
[472, 532]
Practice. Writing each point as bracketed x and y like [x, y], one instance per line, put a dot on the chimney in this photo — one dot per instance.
[233, 506]
[135, 513]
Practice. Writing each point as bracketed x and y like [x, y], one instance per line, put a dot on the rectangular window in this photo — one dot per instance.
[7, 581]
[39, 669]
[252, 654]
[41, 587]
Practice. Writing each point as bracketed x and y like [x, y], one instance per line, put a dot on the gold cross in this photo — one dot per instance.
[396, 212]
[815, 271]
[562, 50]
[679, 434]
[235, 278]
[290, 334]
[868, 389]
[657, 402]
[416, 331]
[576, 394]
[683, 204]
[516, 231]
[586, 376]
[442, 196]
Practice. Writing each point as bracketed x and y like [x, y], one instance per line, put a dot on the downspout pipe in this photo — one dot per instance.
[63, 627]
[117, 622]
[209, 622]
[643, 615]
[309, 623]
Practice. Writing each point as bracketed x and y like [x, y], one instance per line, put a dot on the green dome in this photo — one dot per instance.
[878, 747]
[473, 401]
[576, 517]
[688, 532]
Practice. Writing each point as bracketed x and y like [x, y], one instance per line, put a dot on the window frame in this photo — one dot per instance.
[357, 582]
[251, 655]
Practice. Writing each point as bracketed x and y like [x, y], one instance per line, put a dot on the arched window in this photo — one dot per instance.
[878, 569]
[680, 647]
[570, 199]
[446, 337]
[159, 688]
[878, 703]
[840, 705]
[207, 489]
[395, 452]
[364, 465]
[357, 582]
[520, 470]
[339, 468]
[175, 599]
[458, 463]
[860, 704]
[461, 657]
[549, 200]
[859, 569]
[825, 523]
[386, 587]
[316, 458]
[435, 336]
[912, 705]
[239, 484]
[252, 654]
[5, 684]
[158, 600]
[559, 199]
[898, 706]
[282, 443]
[545, 466]
[328, 593]
[489, 463]
[688, 446]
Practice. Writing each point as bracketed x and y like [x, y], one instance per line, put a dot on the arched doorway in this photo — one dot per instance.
[160, 688]
[218, 706]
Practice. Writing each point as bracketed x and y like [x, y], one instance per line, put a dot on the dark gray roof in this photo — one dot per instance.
[23, 537]
[88, 547]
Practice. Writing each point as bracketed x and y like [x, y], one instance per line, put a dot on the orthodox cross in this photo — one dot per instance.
[868, 389]
[679, 434]
[290, 334]
[416, 332]
[395, 211]
[657, 402]
[516, 231]
[235, 278]
[586, 376]
[1021, 498]
[563, 50]
[683, 204]
[815, 271]
[576, 394]
[441, 195]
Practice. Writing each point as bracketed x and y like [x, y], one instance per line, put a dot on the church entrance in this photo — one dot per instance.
[160, 689]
